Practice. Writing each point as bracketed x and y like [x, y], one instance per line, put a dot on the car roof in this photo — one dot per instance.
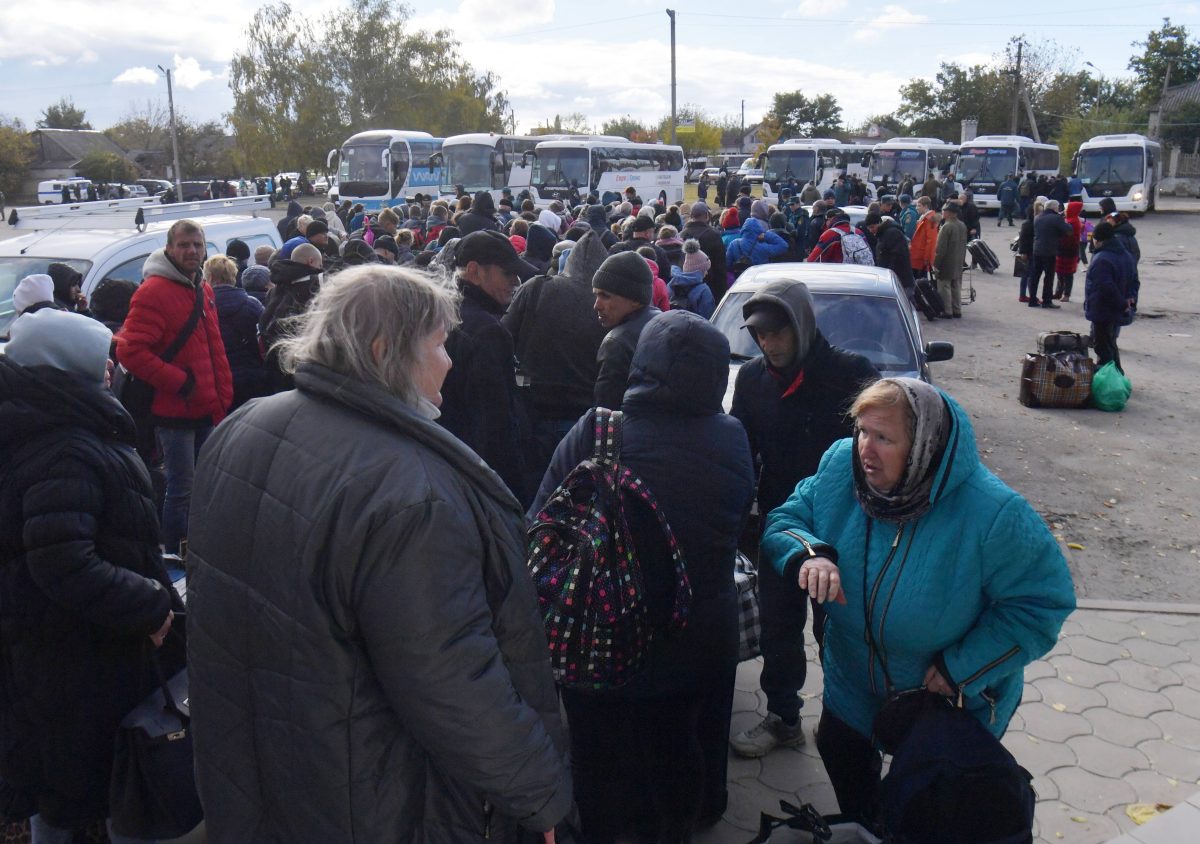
[820, 278]
[87, 243]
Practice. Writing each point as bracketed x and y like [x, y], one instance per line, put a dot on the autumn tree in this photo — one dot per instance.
[63, 114]
[804, 117]
[100, 166]
[146, 127]
[16, 154]
[627, 126]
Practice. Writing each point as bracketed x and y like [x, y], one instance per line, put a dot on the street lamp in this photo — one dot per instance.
[1099, 82]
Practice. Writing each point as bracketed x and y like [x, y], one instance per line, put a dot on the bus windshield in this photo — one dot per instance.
[895, 164]
[363, 172]
[469, 165]
[560, 168]
[790, 164]
[1114, 169]
[989, 165]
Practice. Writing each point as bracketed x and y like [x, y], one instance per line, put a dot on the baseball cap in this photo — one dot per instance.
[489, 247]
[766, 317]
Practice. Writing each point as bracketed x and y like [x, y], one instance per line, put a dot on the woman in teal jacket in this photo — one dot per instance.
[962, 583]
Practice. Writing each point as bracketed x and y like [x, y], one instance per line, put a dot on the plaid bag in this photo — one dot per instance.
[585, 566]
[1061, 379]
[745, 578]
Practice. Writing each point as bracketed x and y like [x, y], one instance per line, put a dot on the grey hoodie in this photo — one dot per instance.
[796, 302]
[557, 335]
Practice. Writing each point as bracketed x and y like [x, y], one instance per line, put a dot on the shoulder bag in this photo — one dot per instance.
[136, 394]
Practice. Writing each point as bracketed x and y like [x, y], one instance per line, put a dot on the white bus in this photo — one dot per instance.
[984, 163]
[1124, 167]
[486, 162]
[894, 160]
[819, 160]
[382, 168]
[600, 166]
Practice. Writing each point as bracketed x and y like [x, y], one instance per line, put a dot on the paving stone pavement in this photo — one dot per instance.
[1110, 717]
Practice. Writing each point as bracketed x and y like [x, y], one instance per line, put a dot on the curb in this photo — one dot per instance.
[1156, 607]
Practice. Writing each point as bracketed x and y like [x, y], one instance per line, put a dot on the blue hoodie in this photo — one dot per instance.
[750, 247]
[982, 584]
[689, 292]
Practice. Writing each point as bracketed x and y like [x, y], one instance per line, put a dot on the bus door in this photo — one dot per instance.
[400, 162]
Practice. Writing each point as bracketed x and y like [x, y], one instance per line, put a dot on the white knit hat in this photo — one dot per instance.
[61, 339]
[32, 289]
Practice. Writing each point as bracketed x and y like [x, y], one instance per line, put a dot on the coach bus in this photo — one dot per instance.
[485, 161]
[1124, 167]
[984, 163]
[816, 160]
[599, 166]
[894, 160]
[381, 168]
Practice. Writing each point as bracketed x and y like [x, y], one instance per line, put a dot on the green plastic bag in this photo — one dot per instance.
[1110, 388]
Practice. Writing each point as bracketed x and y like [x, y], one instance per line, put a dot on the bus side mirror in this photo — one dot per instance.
[385, 159]
[435, 160]
[525, 159]
[329, 159]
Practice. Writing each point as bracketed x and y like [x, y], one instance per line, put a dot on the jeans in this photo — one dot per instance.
[43, 833]
[179, 448]
[1006, 213]
[853, 765]
[784, 608]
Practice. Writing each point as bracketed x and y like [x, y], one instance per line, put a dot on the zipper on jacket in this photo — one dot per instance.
[991, 702]
[487, 819]
[869, 611]
[1013, 651]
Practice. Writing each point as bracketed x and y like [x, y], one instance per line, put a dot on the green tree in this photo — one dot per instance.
[102, 166]
[1169, 44]
[63, 114]
[800, 116]
[701, 140]
[301, 85]
[1181, 127]
[936, 109]
[575, 123]
[1103, 120]
[628, 127]
[16, 154]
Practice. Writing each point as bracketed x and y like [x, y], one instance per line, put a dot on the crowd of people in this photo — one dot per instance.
[352, 434]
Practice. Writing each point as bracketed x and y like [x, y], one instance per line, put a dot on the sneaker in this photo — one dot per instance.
[1024, 299]
[1034, 303]
[769, 734]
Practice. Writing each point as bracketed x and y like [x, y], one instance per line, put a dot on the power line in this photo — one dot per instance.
[1110, 122]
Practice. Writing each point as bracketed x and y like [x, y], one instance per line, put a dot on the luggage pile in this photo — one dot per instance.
[1060, 373]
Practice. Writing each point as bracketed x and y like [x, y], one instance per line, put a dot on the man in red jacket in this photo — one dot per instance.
[194, 388]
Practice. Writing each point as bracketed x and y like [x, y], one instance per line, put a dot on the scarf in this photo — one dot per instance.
[910, 499]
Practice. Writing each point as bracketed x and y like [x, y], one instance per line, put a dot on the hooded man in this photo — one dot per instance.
[539, 244]
[295, 282]
[623, 286]
[756, 244]
[557, 338]
[68, 288]
[792, 402]
[641, 233]
[481, 217]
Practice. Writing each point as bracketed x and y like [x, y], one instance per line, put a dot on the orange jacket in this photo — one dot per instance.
[924, 242]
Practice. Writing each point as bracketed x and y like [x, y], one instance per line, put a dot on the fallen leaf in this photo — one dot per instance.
[1079, 819]
[1058, 707]
[1172, 781]
[1074, 546]
[1139, 813]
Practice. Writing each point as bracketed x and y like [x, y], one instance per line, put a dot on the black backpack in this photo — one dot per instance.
[953, 782]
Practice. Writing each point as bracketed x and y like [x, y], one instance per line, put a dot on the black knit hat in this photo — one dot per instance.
[315, 228]
[625, 274]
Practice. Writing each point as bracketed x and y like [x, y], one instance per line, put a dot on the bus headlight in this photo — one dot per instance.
[1137, 196]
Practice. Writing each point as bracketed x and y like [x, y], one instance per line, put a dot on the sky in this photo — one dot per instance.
[604, 60]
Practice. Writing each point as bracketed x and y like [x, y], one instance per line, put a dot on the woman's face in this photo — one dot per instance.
[883, 446]
[432, 365]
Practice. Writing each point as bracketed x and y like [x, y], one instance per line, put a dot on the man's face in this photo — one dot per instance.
[611, 309]
[497, 282]
[385, 256]
[319, 240]
[187, 251]
[778, 347]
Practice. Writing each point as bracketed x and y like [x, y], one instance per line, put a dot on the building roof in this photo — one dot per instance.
[66, 147]
[1180, 95]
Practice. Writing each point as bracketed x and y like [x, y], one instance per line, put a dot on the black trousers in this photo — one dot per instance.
[1043, 265]
[853, 765]
[784, 608]
[1104, 341]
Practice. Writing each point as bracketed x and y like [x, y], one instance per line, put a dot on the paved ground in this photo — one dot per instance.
[1111, 717]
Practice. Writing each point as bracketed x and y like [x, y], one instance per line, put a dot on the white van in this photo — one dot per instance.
[102, 254]
[50, 191]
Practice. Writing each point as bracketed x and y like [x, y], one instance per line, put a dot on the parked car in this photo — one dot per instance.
[195, 190]
[133, 191]
[860, 309]
[100, 254]
[50, 191]
[155, 186]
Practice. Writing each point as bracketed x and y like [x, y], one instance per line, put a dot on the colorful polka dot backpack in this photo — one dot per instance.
[591, 588]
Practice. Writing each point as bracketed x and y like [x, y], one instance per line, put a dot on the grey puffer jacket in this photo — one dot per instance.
[367, 661]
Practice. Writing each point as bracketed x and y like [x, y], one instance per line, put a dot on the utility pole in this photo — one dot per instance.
[1016, 95]
[174, 137]
[671, 15]
[742, 135]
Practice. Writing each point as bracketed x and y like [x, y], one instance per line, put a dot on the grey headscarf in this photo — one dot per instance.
[910, 499]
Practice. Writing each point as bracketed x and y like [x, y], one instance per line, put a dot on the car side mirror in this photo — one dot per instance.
[936, 350]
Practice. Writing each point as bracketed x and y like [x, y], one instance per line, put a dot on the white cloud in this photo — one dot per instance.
[188, 73]
[480, 18]
[88, 56]
[817, 8]
[136, 76]
[892, 17]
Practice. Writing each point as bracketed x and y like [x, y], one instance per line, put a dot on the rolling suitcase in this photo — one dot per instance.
[927, 299]
[983, 255]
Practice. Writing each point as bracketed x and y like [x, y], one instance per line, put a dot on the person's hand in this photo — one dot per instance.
[548, 836]
[935, 682]
[820, 578]
[81, 300]
[159, 637]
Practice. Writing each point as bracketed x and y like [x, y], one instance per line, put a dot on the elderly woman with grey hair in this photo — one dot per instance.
[364, 635]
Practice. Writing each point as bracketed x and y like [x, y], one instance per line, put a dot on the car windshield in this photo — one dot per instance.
[16, 267]
[872, 326]
[469, 165]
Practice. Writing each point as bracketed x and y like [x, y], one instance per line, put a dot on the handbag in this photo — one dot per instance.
[1020, 266]
[137, 395]
[745, 578]
[152, 792]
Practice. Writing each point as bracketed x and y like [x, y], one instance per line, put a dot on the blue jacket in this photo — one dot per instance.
[978, 582]
[1105, 293]
[1007, 192]
[909, 218]
[691, 292]
[747, 245]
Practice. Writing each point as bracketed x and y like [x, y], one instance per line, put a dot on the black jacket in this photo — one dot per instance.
[82, 586]
[367, 643]
[970, 217]
[597, 218]
[1048, 229]
[295, 286]
[480, 405]
[238, 313]
[556, 333]
[891, 251]
[481, 216]
[712, 246]
[615, 357]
